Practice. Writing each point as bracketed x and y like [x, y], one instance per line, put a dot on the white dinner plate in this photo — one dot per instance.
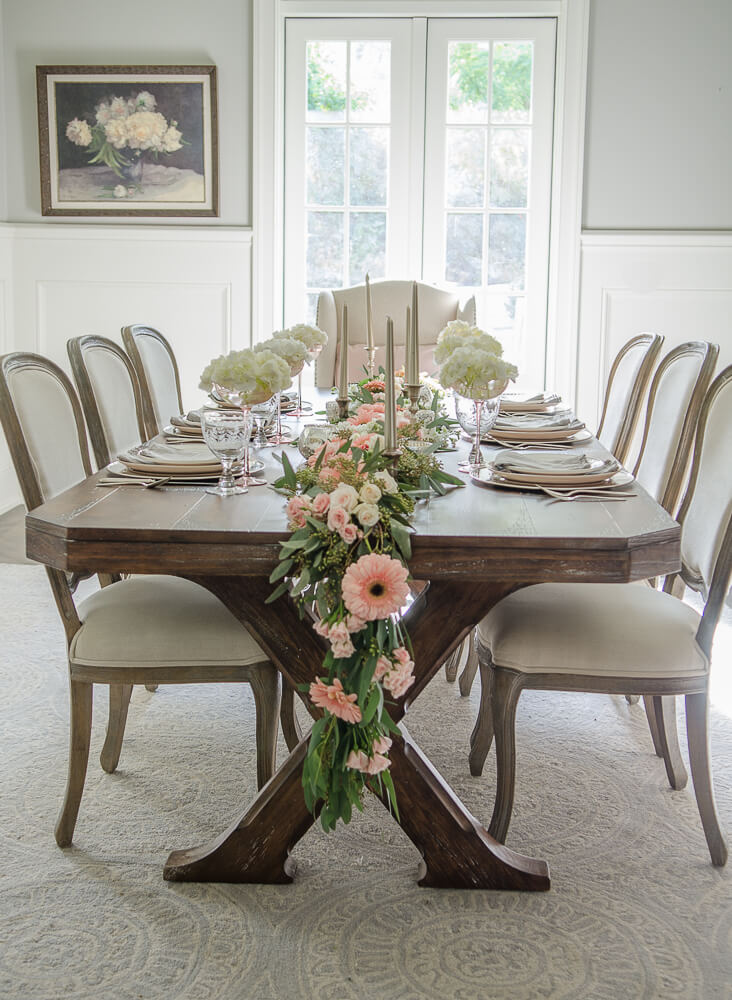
[488, 478]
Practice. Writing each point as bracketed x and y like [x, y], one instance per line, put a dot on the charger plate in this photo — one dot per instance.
[600, 471]
[527, 434]
[487, 478]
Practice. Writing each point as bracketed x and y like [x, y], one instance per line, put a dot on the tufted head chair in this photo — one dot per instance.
[157, 370]
[388, 298]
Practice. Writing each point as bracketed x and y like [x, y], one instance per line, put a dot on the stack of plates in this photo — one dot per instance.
[186, 427]
[536, 428]
[540, 470]
[541, 402]
[190, 463]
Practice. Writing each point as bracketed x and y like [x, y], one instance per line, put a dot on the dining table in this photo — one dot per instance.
[470, 549]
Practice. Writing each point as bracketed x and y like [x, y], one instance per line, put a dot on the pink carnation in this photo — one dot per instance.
[297, 508]
[383, 666]
[366, 413]
[329, 476]
[359, 761]
[334, 699]
[354, 623]
[399, 679]
[340, 641]
[322, 628]
[375, 586]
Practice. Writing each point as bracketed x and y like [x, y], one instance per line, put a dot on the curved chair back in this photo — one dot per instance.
[44, 429]
[674, 401]
[626, 385]
[157, 371]
[706, 511]
[110, 396]
[388, 298]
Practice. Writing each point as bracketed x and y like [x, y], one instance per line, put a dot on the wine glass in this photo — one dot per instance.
[226, 432]
[263, 414]
[476, 417]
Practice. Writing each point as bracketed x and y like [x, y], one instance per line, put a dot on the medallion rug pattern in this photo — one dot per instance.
[636, 908]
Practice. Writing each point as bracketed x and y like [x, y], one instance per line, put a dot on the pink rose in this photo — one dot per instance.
[349, 533]
[321, 503]
[338, 518]
[297, 508]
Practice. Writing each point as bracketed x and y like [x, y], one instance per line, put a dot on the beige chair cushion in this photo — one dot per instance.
[596, 629]
[159, 621]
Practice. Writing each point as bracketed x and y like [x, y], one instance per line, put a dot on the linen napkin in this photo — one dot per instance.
[517, 398]
[534, 421]
[157, 453]
[552, 463]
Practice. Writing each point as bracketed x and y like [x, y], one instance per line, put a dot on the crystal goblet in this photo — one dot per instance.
[226, 432]
[476, 417]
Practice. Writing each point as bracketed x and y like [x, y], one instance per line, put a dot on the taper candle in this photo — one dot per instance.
[407, 343]
[389, 394]
[414, 342]
[343, 367]
[369, 316]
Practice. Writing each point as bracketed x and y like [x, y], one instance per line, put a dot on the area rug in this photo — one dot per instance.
[636, 909]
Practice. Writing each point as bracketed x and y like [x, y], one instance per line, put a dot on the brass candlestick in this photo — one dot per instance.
[413, 393]
[343, 408]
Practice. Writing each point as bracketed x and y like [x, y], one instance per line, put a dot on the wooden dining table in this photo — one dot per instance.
[471, 548]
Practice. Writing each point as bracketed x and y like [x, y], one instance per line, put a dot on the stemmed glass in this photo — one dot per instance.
[226, 432]
[260, 414]
[476, 417]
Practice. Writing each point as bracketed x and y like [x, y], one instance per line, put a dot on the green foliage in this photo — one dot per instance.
[470, 69]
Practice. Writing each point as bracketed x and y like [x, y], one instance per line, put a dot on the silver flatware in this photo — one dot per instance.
[149, 484]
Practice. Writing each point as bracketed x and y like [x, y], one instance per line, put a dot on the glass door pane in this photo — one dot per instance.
[347, 144]
[490, 85]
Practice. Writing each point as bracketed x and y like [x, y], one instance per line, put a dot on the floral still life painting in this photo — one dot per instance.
[128, 140]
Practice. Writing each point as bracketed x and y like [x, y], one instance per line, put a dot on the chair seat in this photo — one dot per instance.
[594, 629]
[159, 621]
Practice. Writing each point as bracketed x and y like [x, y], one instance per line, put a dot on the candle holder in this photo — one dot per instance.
[343, 408]
[371, 364]
[392, 456]
[413, 393]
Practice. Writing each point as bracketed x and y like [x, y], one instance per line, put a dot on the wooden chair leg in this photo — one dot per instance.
[505, 693]
[290, 726]
[151, 687]
[80, 720]
[453, 662]
[664, 711]
[470, 669]
[652, 724]
[697, 732]
[266, 689]
[119, 700]
[481, 737]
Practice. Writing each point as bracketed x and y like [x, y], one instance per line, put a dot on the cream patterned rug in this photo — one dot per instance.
[636, 908]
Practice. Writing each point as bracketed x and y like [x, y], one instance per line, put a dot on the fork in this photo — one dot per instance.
[149, 484]
[588, 493]
[522, 446]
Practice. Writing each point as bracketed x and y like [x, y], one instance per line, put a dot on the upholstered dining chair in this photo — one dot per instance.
[157, 370]
[626, 385]
[155, 629]
[616, 638]
[110, 396]
[388, 298]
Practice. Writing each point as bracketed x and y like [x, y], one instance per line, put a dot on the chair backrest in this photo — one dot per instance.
[674, 401]
[44, 430]
[706, 511]
[110, 396]
[388, 298]
[626, 385]
[157, 371]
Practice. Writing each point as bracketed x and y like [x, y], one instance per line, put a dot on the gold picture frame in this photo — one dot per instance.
[128, 140]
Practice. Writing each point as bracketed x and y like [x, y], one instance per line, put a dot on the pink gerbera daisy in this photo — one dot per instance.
[334, 699]
[375, 587]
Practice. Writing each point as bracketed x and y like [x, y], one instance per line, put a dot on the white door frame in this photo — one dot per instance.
[569, 128]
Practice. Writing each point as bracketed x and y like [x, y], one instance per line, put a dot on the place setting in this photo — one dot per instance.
[561, 475]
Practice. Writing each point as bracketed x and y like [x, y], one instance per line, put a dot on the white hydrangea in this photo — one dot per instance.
[476, 373]
[311, 336]
[78, 132]
[291, 350]
[257, 375]
[457, 333]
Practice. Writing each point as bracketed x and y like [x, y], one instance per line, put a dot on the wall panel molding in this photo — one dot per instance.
[678, 284]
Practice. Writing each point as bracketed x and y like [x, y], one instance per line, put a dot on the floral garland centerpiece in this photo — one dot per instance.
[346, 563]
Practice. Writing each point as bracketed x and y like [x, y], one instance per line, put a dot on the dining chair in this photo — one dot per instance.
[626, 385]
[389, 298]
[618, 638]
[157, 370]
[110, 396]
[158, 629]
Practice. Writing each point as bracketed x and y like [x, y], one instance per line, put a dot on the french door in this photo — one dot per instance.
[422, 147]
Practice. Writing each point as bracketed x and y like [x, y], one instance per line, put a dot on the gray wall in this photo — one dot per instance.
[658, 150]
[142, 32]
[659, 109]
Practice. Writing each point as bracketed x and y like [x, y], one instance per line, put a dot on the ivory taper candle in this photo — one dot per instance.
[412, 368]
[389, 394]
[407, 342]
[369, 316]
[343, 367]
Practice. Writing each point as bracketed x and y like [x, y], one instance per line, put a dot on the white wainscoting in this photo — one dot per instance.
[677, 284]
[194, 285]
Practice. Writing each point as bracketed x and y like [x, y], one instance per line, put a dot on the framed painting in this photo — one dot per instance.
[128, 140]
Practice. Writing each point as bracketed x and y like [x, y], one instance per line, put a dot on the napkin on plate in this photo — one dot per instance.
[547, 463]
[517, 398]
[157, 453]
[535, 421]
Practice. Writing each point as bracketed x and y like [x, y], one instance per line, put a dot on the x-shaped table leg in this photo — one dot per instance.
[457, 851]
